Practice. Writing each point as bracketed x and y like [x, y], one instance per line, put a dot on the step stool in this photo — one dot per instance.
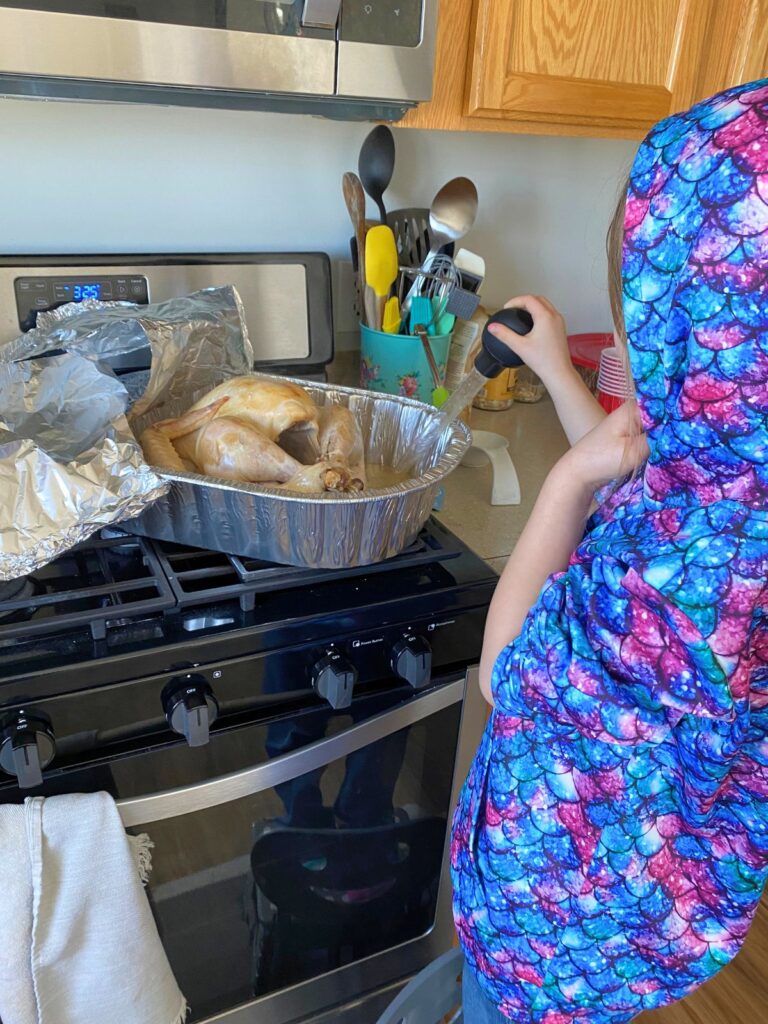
[432, 997]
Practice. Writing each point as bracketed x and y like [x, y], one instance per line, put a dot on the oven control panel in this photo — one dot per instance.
[382, 22]
[194, 698]
[35, 294]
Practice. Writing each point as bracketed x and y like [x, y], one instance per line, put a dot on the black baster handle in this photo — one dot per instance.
[495, 356]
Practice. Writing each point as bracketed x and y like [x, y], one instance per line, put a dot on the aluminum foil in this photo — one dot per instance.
[69, 462]
[190, 339]
[329, 530]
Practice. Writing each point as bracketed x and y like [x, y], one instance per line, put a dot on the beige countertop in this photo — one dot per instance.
[536, 441]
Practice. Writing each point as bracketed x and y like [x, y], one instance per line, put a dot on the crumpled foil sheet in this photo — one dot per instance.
[69, 462]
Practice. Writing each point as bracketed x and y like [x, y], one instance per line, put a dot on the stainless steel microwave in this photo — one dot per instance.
[349, 59]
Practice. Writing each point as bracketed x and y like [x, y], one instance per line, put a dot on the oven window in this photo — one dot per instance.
[322, 871]
[268, 16]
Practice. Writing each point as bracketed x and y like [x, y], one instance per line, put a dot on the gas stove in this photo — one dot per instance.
[134, 615]
[293, 741]
[116, 579]
[235, 708]
[119, 595]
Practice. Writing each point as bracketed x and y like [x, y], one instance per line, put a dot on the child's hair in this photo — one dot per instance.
[614, 242]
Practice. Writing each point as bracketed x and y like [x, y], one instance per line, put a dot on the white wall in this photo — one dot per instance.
[93, 178]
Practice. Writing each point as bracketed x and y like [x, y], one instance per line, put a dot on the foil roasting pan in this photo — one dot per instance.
[330, 530]
[70, 463]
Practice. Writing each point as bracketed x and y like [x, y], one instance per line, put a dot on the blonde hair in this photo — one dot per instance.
[614, 244]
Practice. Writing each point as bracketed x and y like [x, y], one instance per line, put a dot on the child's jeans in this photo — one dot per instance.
[478, 1009]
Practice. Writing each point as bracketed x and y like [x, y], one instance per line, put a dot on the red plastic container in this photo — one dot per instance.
[585, 349]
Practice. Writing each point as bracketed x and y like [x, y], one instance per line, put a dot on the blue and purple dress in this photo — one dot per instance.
[610, 845]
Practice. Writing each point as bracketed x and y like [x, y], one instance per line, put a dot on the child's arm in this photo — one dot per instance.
[545, 350]
[552, 532]
[556, 526]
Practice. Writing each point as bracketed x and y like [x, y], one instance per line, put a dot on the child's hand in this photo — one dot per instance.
[545, 348]
[614, 447]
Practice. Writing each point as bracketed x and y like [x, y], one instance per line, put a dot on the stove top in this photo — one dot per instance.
[99, 647]
[118, 594]
[108, 579]
[203, 577]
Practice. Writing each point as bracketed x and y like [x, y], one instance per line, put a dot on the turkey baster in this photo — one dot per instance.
[493, 357]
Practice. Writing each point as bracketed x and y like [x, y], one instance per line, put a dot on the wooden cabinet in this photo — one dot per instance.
[587, 67]
[601, 62]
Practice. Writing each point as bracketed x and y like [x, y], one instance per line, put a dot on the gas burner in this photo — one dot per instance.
[117, 585]
[13, 590]
[200, 578]
[12, 595]
[106, 579]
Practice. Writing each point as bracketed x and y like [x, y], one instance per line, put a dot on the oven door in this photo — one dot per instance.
[299, 864]
[231, 45]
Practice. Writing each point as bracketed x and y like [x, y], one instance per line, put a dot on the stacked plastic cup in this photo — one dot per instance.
[612, 383]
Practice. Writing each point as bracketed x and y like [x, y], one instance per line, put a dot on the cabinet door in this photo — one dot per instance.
[736, 47]
[612, 63]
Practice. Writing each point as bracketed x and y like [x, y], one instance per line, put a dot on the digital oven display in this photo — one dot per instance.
[35, 294]
[86, 291]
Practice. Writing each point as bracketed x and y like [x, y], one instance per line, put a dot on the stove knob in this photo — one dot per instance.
[190, 708]
[26, 748]
[412, 660]
[333, 678]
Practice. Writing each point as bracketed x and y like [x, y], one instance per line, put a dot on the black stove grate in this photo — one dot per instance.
[203, 577]
[118, 579]
[105, 579]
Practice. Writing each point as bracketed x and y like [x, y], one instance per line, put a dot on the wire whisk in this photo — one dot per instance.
[436, 283]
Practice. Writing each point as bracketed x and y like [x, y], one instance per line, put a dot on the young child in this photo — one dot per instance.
[610, 845]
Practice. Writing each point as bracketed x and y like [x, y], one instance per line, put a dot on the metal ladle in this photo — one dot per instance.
[451, 217]
[452, 214]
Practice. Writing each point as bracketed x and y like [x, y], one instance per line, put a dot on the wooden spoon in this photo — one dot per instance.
[354, 197]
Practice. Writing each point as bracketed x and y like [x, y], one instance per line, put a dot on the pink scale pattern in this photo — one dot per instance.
[610, 845]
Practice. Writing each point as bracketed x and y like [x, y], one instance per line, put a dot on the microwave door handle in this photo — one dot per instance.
[320, 13]
[172, 803]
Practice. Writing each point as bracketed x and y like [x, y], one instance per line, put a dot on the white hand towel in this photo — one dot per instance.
[78, 941]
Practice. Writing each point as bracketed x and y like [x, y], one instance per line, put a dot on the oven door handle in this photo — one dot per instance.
[172, 803]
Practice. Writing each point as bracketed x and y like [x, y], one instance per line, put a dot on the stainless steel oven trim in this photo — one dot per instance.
[350, 987]
[75, 46]
[395, 72]
[284, 332]
[173, 803]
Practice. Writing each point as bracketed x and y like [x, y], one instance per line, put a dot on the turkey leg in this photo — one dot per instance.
[157, 440]
[341, 440]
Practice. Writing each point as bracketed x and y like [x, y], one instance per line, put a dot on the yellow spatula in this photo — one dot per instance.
[381, 267]
[391, 321]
